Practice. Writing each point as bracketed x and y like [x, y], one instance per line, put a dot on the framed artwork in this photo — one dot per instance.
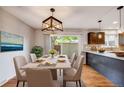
[10, 42]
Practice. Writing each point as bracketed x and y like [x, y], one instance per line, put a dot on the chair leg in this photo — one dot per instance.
[64, 83]
[17, 83]
[60, 72]
[77, 83]
[80, 83]
[23, 83]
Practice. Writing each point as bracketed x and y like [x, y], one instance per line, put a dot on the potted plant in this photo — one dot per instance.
[52, 52]
[38, 50]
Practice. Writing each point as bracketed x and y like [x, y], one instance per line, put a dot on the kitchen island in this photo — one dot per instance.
[108, 64]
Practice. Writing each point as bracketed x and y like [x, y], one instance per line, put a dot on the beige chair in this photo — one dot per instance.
[74, 74]
[75, 65]
[73, 58]
[20, 74]
[33, 57]
[40, 78]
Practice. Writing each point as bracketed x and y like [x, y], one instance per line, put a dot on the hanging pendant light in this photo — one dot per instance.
[120, 30]
[99, 35]
[51, 23]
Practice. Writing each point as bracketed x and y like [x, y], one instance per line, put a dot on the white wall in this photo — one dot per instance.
[39, 38]
[42, 39]
[11, 24]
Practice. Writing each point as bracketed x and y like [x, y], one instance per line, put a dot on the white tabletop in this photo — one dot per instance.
[55, 64]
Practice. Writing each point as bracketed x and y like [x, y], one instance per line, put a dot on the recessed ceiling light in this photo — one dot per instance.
[115, 22]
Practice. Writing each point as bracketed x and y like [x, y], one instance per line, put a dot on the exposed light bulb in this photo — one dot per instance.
[58, 26]
[53, 28]
[99, 36]
[47, 25]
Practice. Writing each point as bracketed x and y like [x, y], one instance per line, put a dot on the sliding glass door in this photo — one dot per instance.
[66, 44]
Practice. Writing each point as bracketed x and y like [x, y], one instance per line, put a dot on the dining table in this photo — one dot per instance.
[58, 62]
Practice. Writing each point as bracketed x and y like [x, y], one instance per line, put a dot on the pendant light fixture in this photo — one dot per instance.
[51, 23]
[99, 35]
[120, 30]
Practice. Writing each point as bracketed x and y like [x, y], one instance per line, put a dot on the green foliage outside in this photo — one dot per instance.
[64, 39]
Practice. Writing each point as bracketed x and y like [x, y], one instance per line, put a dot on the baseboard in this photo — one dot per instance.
[5, 81]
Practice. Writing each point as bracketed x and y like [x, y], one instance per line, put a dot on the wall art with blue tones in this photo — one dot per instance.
[10, 42]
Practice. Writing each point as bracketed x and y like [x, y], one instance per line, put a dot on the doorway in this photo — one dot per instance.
[66, 44]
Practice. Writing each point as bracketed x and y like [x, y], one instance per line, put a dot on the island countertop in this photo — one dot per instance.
[106, 54]
[108, 64]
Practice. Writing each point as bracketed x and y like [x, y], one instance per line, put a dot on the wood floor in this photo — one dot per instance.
[90, 78]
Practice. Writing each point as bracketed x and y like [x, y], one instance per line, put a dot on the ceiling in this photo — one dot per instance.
[84, 17]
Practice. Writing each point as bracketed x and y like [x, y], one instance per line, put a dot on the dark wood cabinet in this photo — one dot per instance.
[96, 38]
[121, 39]
[92, 38]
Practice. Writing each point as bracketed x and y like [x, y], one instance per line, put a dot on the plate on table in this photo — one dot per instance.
[47, 64]
[61, 60]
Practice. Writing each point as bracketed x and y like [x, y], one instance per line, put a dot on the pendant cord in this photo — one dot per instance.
[52, 13]
[120, 18]
[99, 26]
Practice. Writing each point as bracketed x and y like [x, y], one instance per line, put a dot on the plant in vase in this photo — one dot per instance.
[38, 50]
[52, 52]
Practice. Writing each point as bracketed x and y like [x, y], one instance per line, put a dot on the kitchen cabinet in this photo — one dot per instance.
[92, 38]
[121, 39]
[96, 38]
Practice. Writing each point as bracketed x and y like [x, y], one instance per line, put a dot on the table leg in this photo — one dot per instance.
[60, 77]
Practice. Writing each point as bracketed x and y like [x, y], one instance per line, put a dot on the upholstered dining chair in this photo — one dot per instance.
[74, 74]
[40, 78]
[33, 57]
[20, 61]
[73, 58]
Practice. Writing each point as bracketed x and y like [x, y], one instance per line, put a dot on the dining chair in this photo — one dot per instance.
[20, 61]
[73, 58]
[76, 63]
[74, 74]
[33, 57]
[40, 78]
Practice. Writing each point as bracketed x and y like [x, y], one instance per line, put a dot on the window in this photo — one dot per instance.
[67, 44]
[64, 39]
[111, 39]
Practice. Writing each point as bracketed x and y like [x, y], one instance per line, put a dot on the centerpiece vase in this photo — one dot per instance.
[52, 55]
